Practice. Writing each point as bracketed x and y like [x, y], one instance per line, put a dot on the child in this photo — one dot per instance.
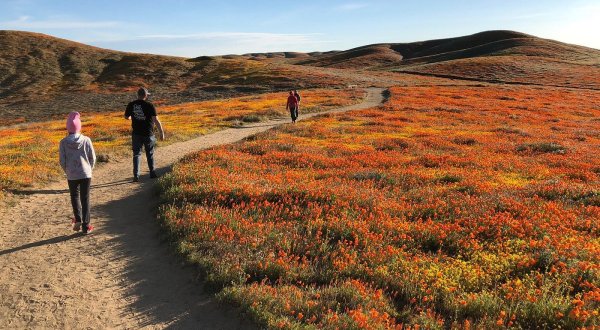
[77, 159]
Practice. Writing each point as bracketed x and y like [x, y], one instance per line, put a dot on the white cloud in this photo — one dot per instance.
[352, 6]
[215, 43]
[28, 23]
[249, 37]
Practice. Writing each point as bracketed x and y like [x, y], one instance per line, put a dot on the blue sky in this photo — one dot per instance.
[212, 27]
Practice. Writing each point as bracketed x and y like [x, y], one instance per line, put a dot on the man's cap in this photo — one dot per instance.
[143, 91]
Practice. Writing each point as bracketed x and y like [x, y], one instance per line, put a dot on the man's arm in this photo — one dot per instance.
[128, 112]
[160, 128]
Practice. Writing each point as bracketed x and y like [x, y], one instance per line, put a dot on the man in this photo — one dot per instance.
[292, 105]
[143, 118]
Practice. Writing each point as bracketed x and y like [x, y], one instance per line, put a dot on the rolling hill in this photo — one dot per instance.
[491, 56]
[43, 76]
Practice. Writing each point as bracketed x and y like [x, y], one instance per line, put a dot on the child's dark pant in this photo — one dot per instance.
[80, 200]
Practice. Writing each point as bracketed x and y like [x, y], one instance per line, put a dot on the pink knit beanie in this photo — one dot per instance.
[73, 123]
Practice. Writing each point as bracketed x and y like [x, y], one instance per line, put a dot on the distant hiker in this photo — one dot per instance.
[292, 105]
[77, 159]
[143, 118]
[297, 96]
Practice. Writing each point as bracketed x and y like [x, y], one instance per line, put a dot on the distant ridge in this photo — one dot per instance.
[480, 44]
[42, 76]
[34, 64]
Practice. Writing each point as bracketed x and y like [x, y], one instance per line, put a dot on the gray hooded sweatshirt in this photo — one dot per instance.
[77, 156]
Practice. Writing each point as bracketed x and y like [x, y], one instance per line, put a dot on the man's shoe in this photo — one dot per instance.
[153, 175]
[136, 178]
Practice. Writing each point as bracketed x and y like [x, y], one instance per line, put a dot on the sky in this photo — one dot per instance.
[218, 27]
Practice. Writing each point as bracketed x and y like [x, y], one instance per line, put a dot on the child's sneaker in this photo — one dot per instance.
[88, 230]
[76, 225]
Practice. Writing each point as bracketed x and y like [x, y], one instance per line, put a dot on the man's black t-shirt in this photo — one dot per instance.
[141, 113]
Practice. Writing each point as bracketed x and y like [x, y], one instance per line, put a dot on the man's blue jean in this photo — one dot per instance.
[137, 142]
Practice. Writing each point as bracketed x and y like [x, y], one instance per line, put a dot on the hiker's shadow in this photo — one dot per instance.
[254, 126]
[63, 191]
[162, 291]
[54, 240]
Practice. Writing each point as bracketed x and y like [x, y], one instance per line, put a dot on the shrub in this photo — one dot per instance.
[390, 144]
[251, 119]
[449, 178]
[541, 148]
[511, 130]
[254, 149]
[465, 141]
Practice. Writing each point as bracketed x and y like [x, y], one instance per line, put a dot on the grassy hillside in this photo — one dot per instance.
[492, 56]
[43, 76]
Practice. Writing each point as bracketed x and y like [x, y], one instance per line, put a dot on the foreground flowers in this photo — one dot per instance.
[447, 207]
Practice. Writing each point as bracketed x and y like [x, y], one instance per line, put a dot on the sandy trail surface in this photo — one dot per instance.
[121, 276]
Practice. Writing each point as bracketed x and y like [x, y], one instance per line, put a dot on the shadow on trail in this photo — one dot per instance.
[161, 288]
[254, 126]
[64, 191]
[49, 241]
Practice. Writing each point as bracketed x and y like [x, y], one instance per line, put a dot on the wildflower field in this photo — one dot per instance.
[29, 152]
[448, 207]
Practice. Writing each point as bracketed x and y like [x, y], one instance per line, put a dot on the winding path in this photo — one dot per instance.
[121, 276]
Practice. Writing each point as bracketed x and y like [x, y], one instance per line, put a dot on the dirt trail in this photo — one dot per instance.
[122, 275]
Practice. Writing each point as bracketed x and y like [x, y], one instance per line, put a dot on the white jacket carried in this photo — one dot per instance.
[77, 156]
